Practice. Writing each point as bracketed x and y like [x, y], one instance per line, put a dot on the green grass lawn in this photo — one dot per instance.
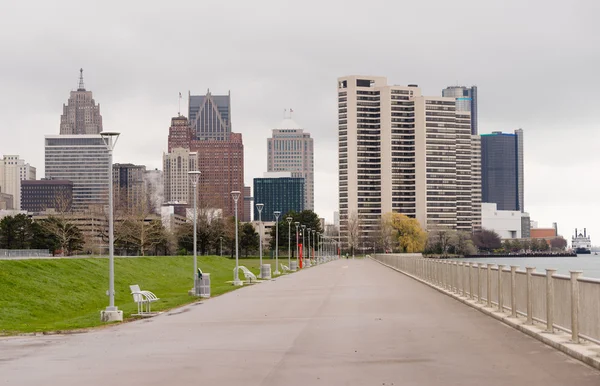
[67, 294]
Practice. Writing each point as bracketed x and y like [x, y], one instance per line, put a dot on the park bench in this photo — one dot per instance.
[143, 299]
[247, 274]
[284, 267]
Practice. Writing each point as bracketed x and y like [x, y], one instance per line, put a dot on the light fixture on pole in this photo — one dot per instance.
[221, 248]
[289, 220]
[236, 196]
[313, 243]
[308, 242]
[277, 214]
[303, 245]
[194, 176]
[297, 255]
[111, 313]
[260, 207]
[318, 246]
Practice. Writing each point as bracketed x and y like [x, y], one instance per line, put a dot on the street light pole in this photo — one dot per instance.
[221, 249]
[194, 176]
[276, 214]
[297, 254]
[308, 242]
[303, 245]
[318, 246]
[236, 196]
[111, 313]
[260, 207]
[313, 243]
[289, 220]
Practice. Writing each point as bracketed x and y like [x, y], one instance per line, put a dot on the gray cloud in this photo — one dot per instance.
[535, 64]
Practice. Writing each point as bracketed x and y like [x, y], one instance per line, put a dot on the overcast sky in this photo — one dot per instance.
[535, 63]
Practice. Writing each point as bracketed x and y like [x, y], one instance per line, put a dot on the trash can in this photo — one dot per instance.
[293, 265]
[203, 285]
[265, 271]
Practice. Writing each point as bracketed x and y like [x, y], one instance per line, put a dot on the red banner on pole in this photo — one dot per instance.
[300, 255]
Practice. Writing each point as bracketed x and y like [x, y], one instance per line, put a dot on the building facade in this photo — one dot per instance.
[278, 193]
[6, 201]
[502, 170]
[400, 151]
[506, 223]
[210, 116]
[84, 160]
[13, 171]
[81, 114]
[41, 195]
[247, 194]
[466, 100]
[290, 149]
[129, 188]
[177, 185]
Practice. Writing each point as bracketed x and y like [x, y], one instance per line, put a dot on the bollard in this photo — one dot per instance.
[550, 300]
[529, 295]
[513, 290]
[489, 285]
[459, 276]
[575, 306]
[500, 291]
[479, 283]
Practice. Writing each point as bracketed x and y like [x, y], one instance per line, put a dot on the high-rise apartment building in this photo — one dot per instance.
[41, 195]
[81, 114]
[13, 170]
[247, 214]
[502, 170]
[177, 185]
[466, 100]
[210, 116]
[220, 152]
[278, 191]
[400, 151]
[290, 149]
[82, 159]
[129, 188]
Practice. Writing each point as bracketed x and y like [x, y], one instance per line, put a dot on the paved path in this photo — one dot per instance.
[349, 322]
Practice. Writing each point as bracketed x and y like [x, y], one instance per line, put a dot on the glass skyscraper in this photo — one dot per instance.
[279, 193]
[502, 170]
[466, 100]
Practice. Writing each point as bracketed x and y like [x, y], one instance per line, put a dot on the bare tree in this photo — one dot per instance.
[353, 231]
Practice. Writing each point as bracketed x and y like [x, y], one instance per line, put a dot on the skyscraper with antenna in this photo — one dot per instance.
[81, 114]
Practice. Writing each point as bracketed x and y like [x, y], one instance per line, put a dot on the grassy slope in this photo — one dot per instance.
[63, 294]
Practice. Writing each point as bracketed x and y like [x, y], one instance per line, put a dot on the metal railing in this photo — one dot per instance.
[25, 253]
[560, 302]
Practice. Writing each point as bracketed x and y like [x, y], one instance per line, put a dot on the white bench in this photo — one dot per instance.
[284, 267]
[143, 299]
[247, 274]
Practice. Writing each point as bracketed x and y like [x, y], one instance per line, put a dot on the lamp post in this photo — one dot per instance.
[303, 245]
[308, 263]
[318, 247]
[194, 176]
[221, 248]
[260, 207]
[236, 196]
[297, 255]
[289, 220]
[313, 243]
[276, 214]
[111, 313]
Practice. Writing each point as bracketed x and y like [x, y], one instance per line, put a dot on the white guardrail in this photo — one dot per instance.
[567, 303]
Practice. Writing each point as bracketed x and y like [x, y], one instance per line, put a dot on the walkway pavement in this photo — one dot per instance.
[349, 322]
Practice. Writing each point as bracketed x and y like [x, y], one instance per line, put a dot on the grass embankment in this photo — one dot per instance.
[66, 294]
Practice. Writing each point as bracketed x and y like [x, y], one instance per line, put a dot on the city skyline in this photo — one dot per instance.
[268, 72]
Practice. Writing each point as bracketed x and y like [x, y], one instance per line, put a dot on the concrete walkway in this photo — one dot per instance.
[349, 322]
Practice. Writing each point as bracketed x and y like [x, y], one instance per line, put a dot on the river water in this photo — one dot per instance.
[589, 264]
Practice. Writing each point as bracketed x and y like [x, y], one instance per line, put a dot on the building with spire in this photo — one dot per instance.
[210, 116]
[81, 114]
[291, 149]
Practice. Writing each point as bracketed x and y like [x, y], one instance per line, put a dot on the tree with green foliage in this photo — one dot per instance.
[248, 238]
[16, 232]
[306, 217]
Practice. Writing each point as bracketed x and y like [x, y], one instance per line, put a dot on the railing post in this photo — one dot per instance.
[457, 278]
[529, 295]
[500, 289]
[459, 268]
[465, 272]
[575, 306]
[513, 290]
[471, 265]
[550, 300]
[446, 275]
[489, 285]
[479, 283]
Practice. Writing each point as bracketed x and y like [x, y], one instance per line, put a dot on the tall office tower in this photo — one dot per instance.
[220, 152]
[278, 191]
[502, 169]
[246, 217]
[177, 185]
[13, 170]
[81, 115]
[82, 159]
[210, 116]
[400, 151]
[466, 100]
[155, 190]
[290, 149]
[129, 188]
[41, 195]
